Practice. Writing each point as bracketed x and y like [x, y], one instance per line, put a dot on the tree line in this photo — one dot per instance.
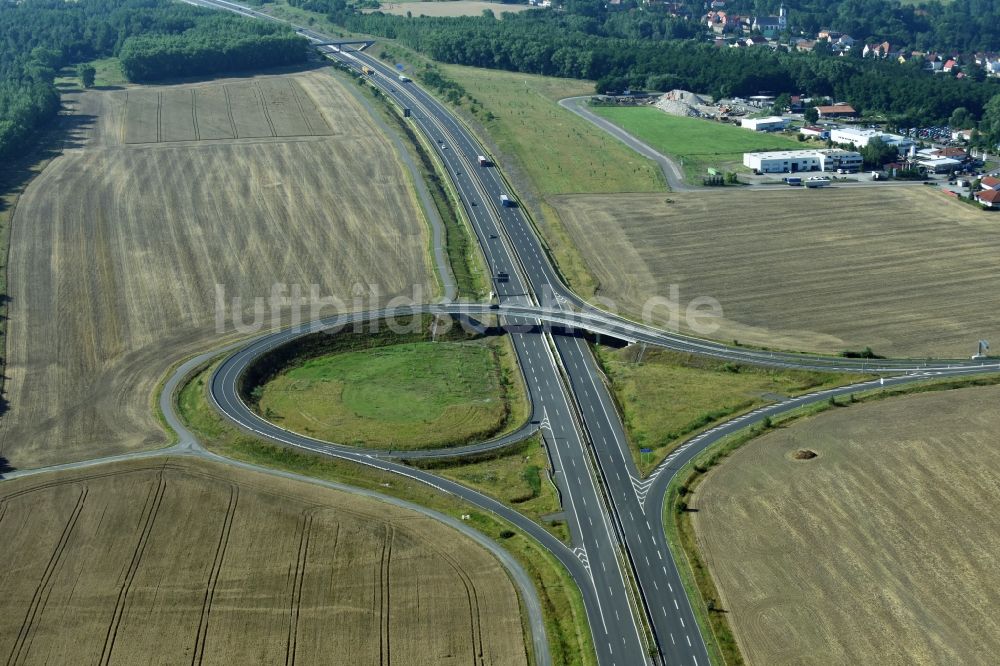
[572, 45]
[220, 43]
[158, 39]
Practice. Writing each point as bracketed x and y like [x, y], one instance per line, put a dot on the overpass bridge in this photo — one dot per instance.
[527, 317]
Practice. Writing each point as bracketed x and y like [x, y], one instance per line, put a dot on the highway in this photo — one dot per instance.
[618, 556]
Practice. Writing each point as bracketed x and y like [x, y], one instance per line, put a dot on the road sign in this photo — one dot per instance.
[645, 450]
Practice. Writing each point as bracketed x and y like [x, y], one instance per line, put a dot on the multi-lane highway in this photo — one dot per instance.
[619, 556]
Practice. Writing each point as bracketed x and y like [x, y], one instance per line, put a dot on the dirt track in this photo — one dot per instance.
[117, 249]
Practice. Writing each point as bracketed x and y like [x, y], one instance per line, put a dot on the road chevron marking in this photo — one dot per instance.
[545, 424]
[581, 554]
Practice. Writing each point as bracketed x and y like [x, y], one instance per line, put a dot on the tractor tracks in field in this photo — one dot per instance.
[198, 656]
[305, 535]
[385, 657]
[149, 512]
[21, 646]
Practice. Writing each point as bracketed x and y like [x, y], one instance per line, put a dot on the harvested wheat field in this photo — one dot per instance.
[879, 550]
[118, 246]
[181, 561]
[903, 270]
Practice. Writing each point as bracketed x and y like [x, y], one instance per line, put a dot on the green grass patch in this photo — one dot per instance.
[562, 605]
[698, 143]
[406, 396]
[560, 152]
[518, 478]
[107, 74]
[665, 396]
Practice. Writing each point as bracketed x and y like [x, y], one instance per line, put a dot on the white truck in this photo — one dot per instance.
[817, 181]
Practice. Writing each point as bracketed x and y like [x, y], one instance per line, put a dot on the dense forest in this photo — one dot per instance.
[155, 39]
[577, 46]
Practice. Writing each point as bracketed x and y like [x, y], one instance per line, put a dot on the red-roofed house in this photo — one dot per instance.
[948, 66]
[953, 152]
[989, 198]
[990, 183]
[837, 111]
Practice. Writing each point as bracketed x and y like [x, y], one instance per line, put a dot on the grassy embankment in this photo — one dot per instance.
[565, 617]
[697, 143]
[697, 579]
[546, 150]
[666, 397]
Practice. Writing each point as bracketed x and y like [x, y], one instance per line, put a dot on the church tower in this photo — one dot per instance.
[782, 18]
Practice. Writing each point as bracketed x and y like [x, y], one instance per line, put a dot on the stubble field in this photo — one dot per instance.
[879, 550]
[178, 561]
[902, 270]
[118, 247]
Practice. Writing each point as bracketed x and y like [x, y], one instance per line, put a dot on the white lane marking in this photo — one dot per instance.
[675, 605]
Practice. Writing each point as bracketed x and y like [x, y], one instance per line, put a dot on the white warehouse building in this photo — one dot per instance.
[792, 161]
[769, 124]
[783, 161]
[859, 138]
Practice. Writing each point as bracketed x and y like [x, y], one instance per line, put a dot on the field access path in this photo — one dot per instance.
[671, 170]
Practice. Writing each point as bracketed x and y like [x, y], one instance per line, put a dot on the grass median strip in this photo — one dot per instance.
[666, 396]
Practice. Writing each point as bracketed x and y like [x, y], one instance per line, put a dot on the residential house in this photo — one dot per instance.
[877, 50]
[845, 42]
[949, 65]
[805, 45]
[990, 183]
[989, 198]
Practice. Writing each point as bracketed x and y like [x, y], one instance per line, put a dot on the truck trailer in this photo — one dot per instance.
[506, 201]
[817, 181]
[483, 161]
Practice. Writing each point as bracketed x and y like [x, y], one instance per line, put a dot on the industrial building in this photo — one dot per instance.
[792, 161]
[769, 124]
[859, 138]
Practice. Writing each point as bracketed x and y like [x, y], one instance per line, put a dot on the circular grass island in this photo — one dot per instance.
[401, 394]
